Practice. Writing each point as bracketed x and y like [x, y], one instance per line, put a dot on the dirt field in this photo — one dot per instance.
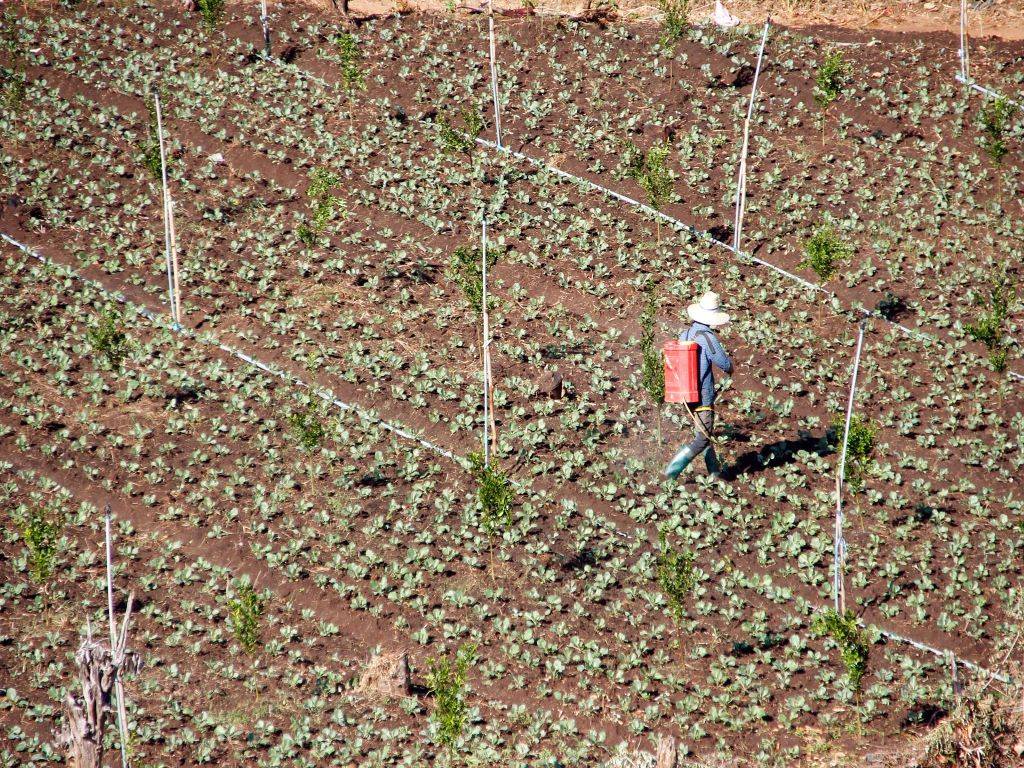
[319, 199]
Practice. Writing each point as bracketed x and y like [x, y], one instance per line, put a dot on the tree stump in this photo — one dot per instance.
[667, 754]
[86, 715]
[100, 669]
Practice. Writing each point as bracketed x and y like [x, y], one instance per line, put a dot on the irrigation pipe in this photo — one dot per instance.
[365, 415]
[405, 434]
[741, 179]
[964, 76]
[911, 332]
[839, 542]
[326, 396]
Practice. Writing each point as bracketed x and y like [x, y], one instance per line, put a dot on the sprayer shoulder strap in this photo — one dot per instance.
[711, 342]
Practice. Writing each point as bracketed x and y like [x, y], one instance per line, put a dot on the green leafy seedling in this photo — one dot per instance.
[465, 269]
[831, 78]
[308, 427]
[151, 146]
[860, 447]
[244, 614]
[995, 118]
[108, 339]
[494, 492]
[40, 535]
[352, 75]
[853, 642]
[676, 574]
[989, 328]
[675, 20]
[447, 682]
[212, 13]
[824, 252]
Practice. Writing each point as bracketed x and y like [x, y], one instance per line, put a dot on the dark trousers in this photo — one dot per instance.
[701, 441]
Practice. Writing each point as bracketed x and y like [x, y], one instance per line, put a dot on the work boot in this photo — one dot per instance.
[679, 462]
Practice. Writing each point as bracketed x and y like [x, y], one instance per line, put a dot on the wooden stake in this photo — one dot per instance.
[174, 261]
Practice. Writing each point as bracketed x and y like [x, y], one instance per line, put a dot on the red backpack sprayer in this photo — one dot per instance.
[682, 372]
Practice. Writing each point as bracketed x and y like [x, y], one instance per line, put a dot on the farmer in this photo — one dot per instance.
[706, 315]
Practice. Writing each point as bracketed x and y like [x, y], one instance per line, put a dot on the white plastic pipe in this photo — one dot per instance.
[265, 21]
[839, 548]
[494, 74]
[486, 343]
[122, 716]
[741, 176]
[965, 72]
[168, 224]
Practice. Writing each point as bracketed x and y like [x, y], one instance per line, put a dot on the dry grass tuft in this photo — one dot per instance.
[386, 674]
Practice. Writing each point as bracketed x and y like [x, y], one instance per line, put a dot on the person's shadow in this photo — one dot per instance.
[777, 454]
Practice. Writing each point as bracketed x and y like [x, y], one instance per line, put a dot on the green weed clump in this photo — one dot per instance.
[108, 340]
[150, 148]
[825, 251]
[676, 575]
[466, 270]
[830, 81]
[494, 492]
[852, 641]
[650, 170]
[675, 21]
[40, 534]
[13, 79]
[995, 118]
[452, 139]
[308, 427]
[244, 613]
[652, 371]
[352, 75]
[212, 13]
[13, 88]
[324, 206]
[447, 682]
[860, 447]
[990, 326]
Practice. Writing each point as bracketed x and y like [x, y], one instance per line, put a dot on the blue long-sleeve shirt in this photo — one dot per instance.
[712, 353]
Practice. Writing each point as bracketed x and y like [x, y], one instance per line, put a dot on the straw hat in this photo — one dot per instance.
[708, 310]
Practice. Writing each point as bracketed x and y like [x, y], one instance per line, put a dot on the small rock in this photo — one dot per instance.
[217, 157]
